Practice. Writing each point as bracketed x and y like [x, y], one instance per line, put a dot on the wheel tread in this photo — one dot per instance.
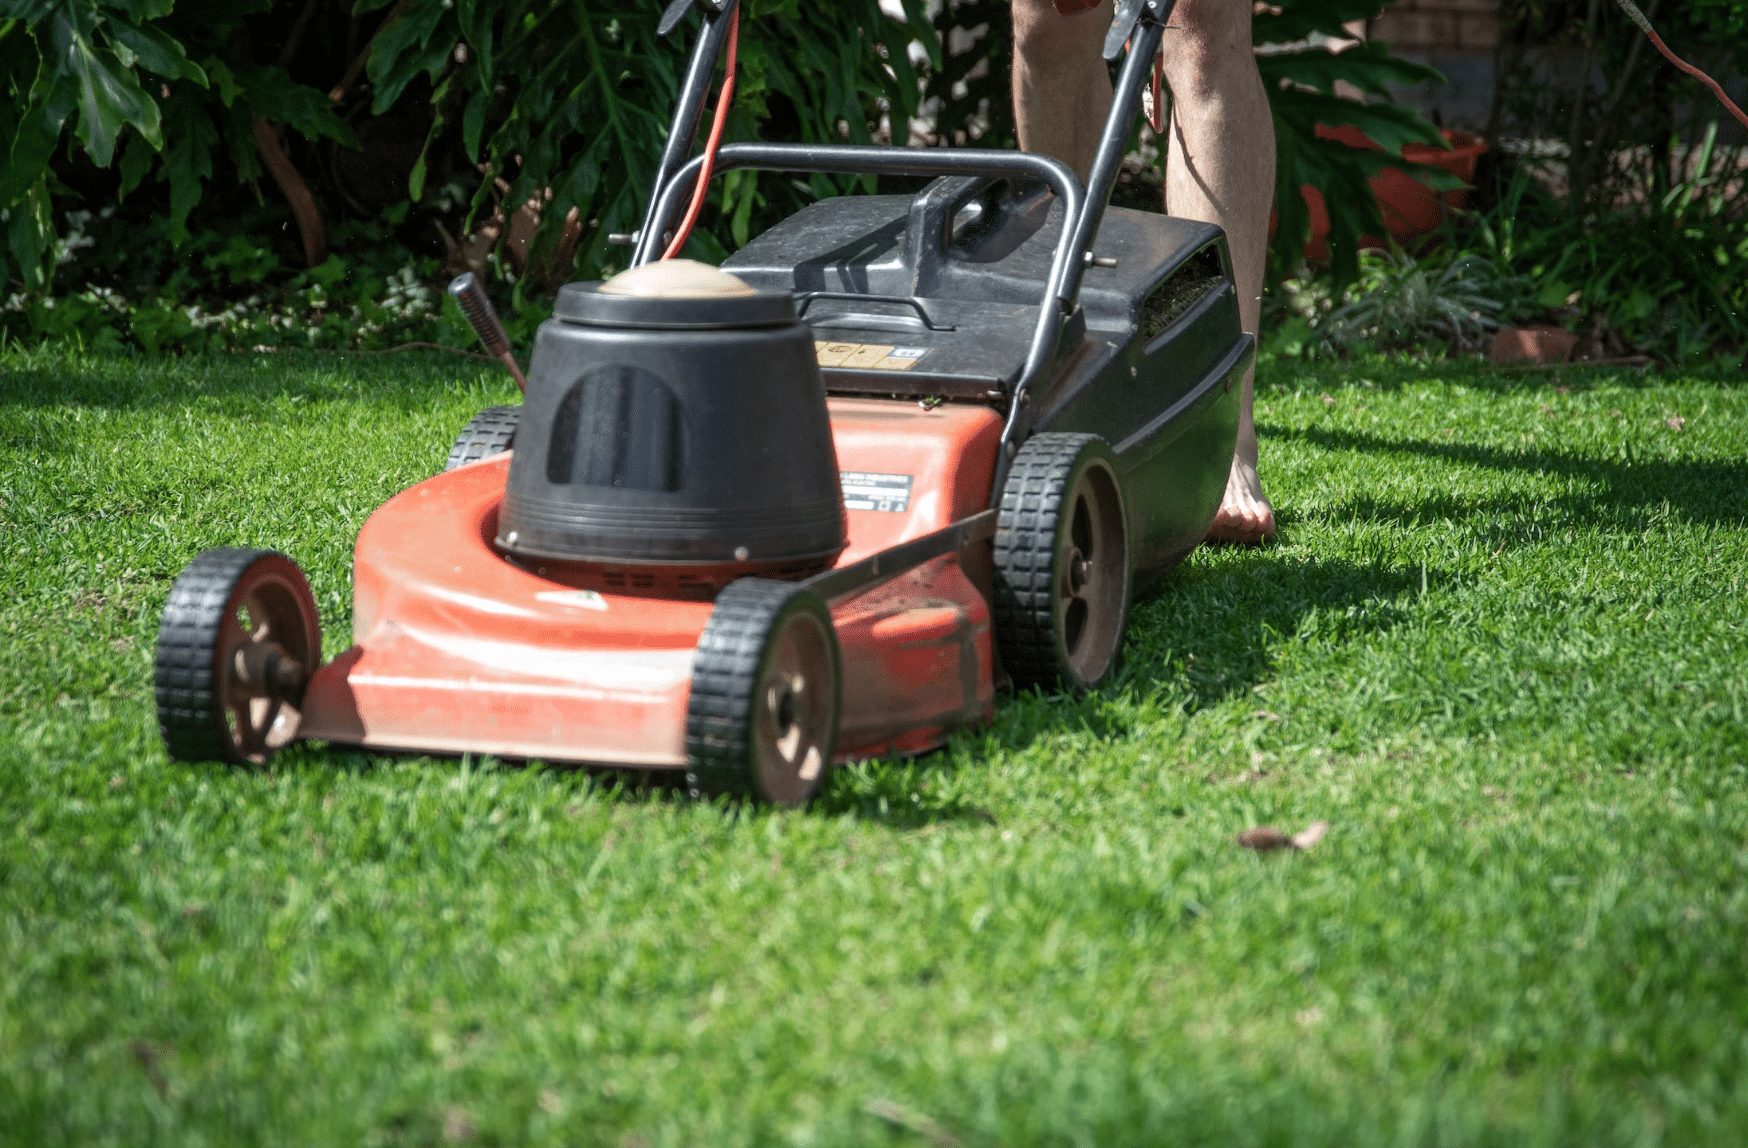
[184, 685]
[1025, 556]
[725, 668]
[492, 431]
[182, 666]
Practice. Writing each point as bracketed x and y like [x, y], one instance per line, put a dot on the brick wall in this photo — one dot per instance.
[1422, 26]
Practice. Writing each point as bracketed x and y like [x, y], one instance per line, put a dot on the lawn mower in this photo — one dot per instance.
[811, 506]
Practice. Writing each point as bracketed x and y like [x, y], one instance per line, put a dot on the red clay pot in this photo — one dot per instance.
[1409, 207]
[1532, 345]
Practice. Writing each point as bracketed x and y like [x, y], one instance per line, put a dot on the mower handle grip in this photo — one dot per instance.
[677, 10]
[465, 289]
[928, 232]
[869, 159]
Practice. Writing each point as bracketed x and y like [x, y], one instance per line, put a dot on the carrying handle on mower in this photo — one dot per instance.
[805, 300]
[928, 232]
[1066, 266]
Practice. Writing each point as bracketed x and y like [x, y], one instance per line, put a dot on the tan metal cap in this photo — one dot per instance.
[676, 279]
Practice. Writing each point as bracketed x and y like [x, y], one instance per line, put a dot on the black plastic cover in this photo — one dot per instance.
[669, 440]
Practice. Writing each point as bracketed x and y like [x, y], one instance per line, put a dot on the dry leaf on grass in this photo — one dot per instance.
[150, 1055]
[1265, 839]
[457, 1125]
[1268, 839]
[911, 1120]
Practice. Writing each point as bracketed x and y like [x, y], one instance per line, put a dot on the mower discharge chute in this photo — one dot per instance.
[808, 507]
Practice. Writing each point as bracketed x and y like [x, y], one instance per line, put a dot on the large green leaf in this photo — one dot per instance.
[1370, 67]
[188, 159]
[32, 144]
[403, 49]
[156, 51]
[270, 93]
[30, 236]
[140, 11]
[1297, 20]
[110, 100]
[1390, 126]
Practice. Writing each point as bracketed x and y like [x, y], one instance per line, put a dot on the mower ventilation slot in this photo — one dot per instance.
[1181, 290]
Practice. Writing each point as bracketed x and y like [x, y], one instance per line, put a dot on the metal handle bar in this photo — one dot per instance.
[1064, 281]
[1139, 23]
[1145, 37]
[689, 105]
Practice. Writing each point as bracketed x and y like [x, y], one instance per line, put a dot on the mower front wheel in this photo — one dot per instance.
[237, 644]
[491, 432]
[1061, 564]
[766, 695]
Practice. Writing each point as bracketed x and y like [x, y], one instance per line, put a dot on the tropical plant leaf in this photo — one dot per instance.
[1369, 67]
[108, 98]
[1291, 21]
[156, 51]
[275, 96]
[404, 48]
[188, 163]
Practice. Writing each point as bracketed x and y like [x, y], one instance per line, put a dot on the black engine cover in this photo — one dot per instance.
[674, 431]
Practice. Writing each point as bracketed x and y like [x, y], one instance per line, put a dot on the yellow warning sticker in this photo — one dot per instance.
[869, 356]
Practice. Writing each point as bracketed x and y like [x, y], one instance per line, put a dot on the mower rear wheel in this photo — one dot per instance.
[1061, 564]
[766, 694]
[237, 644]
[492, 431]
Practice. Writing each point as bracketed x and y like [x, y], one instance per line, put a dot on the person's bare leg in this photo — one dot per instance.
[1222, 170]
[1062, 88]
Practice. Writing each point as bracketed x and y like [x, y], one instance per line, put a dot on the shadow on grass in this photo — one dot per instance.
[1386, 373]
[400, 380]
[1704, 491]
[1208, 633]
[1211, 633]
[900, 794]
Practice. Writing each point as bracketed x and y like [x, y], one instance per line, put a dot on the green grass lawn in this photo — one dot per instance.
[1501, 646]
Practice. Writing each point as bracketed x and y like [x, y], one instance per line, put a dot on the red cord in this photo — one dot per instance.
[1638, 17]
[701, 191]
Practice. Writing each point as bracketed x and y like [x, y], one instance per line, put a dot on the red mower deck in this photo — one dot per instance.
[459, 650]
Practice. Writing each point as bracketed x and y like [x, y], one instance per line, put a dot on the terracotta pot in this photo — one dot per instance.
[1536, 345]
[1409, 207]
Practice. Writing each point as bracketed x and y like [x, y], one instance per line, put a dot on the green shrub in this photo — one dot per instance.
[1301, 81]
[1660, 276]
[570, 98]
[1625, 122]
[523, 99]
[1400, 302]
[160, 96]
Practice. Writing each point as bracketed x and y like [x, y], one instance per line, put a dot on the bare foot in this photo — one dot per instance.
[1245, 517]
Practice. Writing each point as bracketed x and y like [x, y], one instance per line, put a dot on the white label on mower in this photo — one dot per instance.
[581, 599]
[868, 356]
[888, 493]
